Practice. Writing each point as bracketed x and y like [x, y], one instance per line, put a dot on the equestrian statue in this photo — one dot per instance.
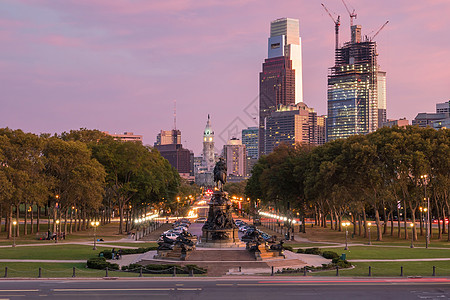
[220, 174]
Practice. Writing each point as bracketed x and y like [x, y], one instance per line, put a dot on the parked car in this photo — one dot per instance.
[201, 220]
[256, 222]
[244, 228]
[172, 235]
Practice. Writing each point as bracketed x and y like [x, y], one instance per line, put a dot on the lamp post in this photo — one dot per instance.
[95, 225]
[425, 183]
[346, 224]
[14, 233]
[56, 236]
[178, 202]
[368, 224]
[412, 235]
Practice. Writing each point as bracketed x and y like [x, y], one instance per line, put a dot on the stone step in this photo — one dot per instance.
[221, 255]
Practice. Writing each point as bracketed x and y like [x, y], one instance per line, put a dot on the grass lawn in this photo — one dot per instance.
[55, 251]
[306, 245]
[64, 270]
[319, 234]
[389, 269]
[137, 245]
[369, 252]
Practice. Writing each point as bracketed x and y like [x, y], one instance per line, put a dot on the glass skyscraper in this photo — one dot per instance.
[250, 140]
[280, 81]
[356, 89]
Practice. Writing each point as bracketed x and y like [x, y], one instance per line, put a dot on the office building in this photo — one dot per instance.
[168, 143]
[400, 123]
[438, 120]
[291, 125]
[168, 137]
[250, 140]
[356, 89]
[280, 82]
[126, 137]
[381, 96]
[180, 158]
[236, 159]
[443, 107]
[321, 130]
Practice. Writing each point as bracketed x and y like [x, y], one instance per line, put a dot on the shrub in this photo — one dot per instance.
[287, 247]
[164, 269]
[343, 263]
[300, 251]
[101, 264]
[330, 254]
[315, 251]
[108, 253]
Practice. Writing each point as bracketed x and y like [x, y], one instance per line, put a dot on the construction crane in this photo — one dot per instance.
[337, 23]
[351, 14]
[372, 38]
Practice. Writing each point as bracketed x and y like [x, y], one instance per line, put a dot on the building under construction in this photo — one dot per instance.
[356, 89]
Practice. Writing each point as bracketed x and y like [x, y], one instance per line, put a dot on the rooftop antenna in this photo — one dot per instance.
[175, 114]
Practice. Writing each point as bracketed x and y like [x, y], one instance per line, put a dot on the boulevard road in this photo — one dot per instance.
[228, 288]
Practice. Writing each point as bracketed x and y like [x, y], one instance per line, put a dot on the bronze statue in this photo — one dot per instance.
[220, 174]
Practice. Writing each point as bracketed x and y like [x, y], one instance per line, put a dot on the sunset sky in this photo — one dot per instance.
[119, 65]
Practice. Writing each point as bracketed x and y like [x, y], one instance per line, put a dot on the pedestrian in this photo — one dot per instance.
[119, 254]
[113, 253]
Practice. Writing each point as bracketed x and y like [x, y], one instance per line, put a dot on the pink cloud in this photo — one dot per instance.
[62, 41]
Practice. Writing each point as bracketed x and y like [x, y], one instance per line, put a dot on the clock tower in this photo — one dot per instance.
[208, 147]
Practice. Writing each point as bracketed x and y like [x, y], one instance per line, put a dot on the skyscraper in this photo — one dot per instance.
[167, 137]
[250, 140]
[356, 89]
[280, 81]
[168, 143]
[293, 124]
[235, 157]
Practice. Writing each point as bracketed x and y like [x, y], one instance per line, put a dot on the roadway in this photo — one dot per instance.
[232, 288]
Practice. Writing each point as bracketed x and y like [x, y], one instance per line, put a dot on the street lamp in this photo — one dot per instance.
[56, 236]
[412, 235]
[178, 210]
[346, 224]
[14, 233]
[368, 226]
[425, 183]
[95, 225]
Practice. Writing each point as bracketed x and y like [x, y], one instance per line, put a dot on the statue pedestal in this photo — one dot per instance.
[219, 230]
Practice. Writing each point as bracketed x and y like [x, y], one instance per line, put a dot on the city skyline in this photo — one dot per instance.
[118, 66]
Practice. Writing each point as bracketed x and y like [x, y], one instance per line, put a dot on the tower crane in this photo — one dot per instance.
[337, 23]
[352, 14]
[381, 28]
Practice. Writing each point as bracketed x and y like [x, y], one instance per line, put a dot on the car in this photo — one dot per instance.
[256, 222]
[244, 228]
[172, 235]
[201, 220]
[180, 228]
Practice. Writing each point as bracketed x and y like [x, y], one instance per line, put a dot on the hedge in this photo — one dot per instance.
[101, 264]
[330, 254]
[108, 253]
[164, 269]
